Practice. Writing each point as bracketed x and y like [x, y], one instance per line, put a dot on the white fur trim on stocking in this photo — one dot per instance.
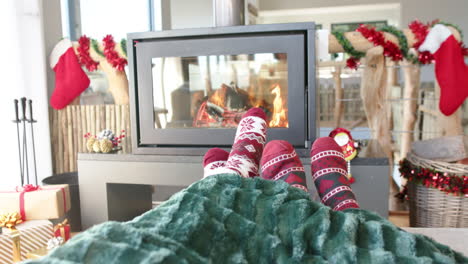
[58, 51]
[438, 34]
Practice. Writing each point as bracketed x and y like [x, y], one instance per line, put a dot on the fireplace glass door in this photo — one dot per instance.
[193, 90]
[214, 91]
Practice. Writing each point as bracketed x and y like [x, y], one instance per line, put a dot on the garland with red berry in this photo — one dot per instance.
[95, 45]
[109, 52]
[123, 46]
[378, 39]
[392, 50]
[111, 55]
[448, 183]
[83, 54]
[402, 41]
[353, 61]
[420, 32]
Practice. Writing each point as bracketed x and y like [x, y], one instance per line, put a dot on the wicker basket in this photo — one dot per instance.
[430, 207]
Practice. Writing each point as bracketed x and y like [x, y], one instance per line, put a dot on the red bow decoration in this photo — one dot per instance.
[26, 188]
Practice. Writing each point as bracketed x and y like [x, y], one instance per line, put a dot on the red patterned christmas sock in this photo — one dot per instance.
[214, 161]
[248, 144]
[329, 174]
[280, 162]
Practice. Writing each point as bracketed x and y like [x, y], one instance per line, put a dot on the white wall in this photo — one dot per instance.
[326, 16]
[52, 24]
[299, 4]
[23, 71]
[451, 11]
[191, 14]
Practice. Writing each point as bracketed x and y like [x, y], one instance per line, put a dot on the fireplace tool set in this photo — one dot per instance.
[23, 144]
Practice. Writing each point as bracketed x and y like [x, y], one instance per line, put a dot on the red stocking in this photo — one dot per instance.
[70, 79]
[450, 68]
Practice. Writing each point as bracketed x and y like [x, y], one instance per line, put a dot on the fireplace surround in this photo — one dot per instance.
[189, 88]
[192, 113]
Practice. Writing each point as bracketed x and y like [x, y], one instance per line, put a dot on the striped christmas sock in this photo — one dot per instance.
[329, 175]
[214, 161]
[280, 162]
[248, 144]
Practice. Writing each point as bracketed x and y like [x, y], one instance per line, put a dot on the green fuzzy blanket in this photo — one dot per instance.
[229, 219]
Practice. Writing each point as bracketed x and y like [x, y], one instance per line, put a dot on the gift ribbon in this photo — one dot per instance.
[61, 227]
[32, 188]
[16, 244]
[26, 188]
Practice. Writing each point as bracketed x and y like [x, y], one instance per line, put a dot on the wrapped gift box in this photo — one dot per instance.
[47, 202]
[62, 230]
[34, 234]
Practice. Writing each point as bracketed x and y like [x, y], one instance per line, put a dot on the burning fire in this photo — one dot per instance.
[278, 119]
[225, 106]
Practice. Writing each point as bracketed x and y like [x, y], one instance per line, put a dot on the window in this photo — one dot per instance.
[354, 25]
[115, 17]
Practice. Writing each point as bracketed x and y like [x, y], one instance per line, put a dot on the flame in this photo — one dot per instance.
[278, 118]
[219, 96]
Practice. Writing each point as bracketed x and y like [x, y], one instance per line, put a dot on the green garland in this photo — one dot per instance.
[402, 41]
[347, 46]
[95, 45]
[123, 45]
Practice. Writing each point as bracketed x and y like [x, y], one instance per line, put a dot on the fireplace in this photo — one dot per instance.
[189, 88]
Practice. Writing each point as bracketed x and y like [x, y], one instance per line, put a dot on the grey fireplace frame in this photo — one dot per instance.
[190, 42]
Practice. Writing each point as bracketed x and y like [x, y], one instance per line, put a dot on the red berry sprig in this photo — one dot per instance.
[117, 140]
[88, 136]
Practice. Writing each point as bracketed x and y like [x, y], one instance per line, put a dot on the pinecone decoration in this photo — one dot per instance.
[10, 220]
[96, 146]
[106, 145]
[90, 144]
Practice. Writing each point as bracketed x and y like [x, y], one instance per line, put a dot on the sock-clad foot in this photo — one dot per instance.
[248, 143]
[329, 175]
[214, 161]
[280, 162]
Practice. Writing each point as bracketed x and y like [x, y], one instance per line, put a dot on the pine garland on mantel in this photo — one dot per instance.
[396, 53]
